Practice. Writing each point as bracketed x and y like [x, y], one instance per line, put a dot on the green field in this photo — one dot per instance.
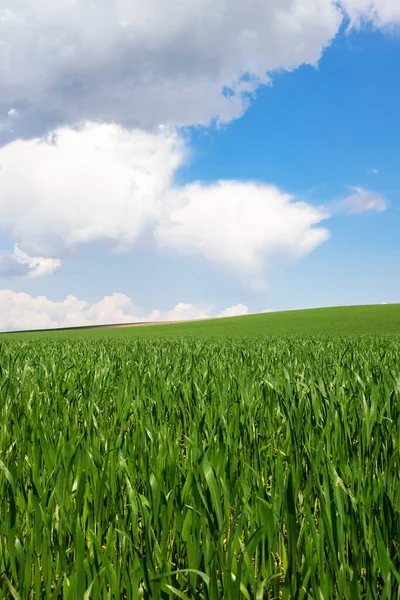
[347, 320]
[254, 457]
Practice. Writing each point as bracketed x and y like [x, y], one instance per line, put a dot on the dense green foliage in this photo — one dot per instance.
[190, 468]
[345, 320]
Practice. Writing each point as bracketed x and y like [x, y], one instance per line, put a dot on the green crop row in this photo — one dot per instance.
[201, 469]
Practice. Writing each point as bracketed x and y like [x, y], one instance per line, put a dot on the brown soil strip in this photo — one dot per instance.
[107, 326]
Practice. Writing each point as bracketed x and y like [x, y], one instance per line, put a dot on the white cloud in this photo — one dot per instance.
[22, 311]
[181, 312]
[374, 171]
[380, 12]
[12, 113]
[37, 265]
[104, 184]
[99, 183]
[364, 200]
[240, 226]
[235, 311]
[146, 62]
[18, 263]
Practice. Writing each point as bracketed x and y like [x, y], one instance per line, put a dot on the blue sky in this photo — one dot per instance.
[95, 246]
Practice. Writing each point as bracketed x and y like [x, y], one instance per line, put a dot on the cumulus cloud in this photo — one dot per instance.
[20, 311]
[142, 63]
[98, 183]
[20, 264]
[241, 226]
[363, 200]
[102, 183]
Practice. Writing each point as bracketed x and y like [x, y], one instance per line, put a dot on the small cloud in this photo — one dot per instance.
[267, 310]
[374, 171]
[20, 264]
[364, 200]
[12, 114]
[235, 311]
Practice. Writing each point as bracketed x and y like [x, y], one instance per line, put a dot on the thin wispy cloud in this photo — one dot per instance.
[362, 200]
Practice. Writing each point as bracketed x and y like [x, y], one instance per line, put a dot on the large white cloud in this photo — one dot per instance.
[19, 311]
[241, 226]
[102, 183]
[145, 62]
[98, 183]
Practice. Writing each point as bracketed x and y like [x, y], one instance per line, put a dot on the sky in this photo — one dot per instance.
[166, 161]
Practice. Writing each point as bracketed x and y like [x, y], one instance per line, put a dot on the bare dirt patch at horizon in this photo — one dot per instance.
[144, 324]
[152, 323]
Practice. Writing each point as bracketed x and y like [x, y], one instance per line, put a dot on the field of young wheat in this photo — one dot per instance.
[200, 468]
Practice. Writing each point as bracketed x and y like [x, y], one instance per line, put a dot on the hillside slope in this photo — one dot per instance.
[348, 320]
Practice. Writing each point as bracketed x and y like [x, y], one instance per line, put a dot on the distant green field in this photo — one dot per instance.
[348, 320]
[382, 319]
